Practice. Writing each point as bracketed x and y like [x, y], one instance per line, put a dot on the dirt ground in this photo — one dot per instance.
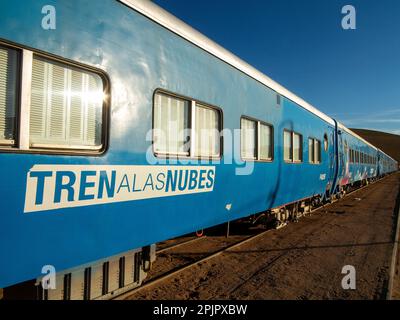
[303, 260]
[396, 282]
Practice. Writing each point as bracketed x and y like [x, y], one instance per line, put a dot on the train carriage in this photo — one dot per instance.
[123, 127]
[358, 159]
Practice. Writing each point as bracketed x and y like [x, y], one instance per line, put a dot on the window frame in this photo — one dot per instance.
[258, 139]
[189, 120]
[192, 106]
[22, 116]
[301, 147]
[272, 145]
[292, 147]
[14, 142]
[220, 128]
[326, 142]
[314, 141]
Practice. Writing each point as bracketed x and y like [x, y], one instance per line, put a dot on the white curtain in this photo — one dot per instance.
[287, 146]
[311, 151]
[171, 120]
[265, 142]
[248, 138]
[317, 151]
[297, 147]
[207, 132]
[8, 93]
[66, 106]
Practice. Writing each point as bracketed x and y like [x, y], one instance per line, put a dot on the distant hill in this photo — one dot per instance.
[389, 143]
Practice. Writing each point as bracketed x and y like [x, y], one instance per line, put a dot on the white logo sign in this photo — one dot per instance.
[51, 187]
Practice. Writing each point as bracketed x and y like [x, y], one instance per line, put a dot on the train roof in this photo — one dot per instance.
[172, 23]
[387, 155]
[167, 20]
[343, 127]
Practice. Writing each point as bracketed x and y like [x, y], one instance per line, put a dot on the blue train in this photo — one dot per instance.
[120, 127]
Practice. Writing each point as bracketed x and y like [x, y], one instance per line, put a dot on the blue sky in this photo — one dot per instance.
[353, 75]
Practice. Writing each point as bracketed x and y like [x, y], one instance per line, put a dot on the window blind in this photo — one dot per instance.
[9, 71]
[66, 106]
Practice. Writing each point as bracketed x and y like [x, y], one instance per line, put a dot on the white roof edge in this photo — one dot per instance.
[164, 18]
[342, 126]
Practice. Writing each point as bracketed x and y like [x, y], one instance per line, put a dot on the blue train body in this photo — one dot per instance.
[139, 56]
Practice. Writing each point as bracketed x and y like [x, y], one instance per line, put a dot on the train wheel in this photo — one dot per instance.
[200, 233]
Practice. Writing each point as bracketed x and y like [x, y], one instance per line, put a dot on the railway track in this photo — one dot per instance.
[177, 269]
[179, 244]
[163, 276]
[173, 273]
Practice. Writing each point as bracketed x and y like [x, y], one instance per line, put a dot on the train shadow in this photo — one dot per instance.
[334, 246]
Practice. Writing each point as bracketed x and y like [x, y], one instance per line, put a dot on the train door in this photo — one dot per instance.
[378, 169]
[342, 157]
[330, 142]
[338, 160]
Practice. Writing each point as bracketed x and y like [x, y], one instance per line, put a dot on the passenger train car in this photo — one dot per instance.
[121, 126]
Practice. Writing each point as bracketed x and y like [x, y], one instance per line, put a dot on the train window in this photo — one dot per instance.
[256, 140]
[171, 120]
[311, 154]
[207, 130]
[326, 142]
[317, 147]
[314, 151]
[66, 106]
[266, 142]
[248, 138]
[297, 147]
[288, 146]
[9, 72]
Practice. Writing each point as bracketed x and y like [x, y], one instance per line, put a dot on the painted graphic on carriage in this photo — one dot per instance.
[51, 187]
